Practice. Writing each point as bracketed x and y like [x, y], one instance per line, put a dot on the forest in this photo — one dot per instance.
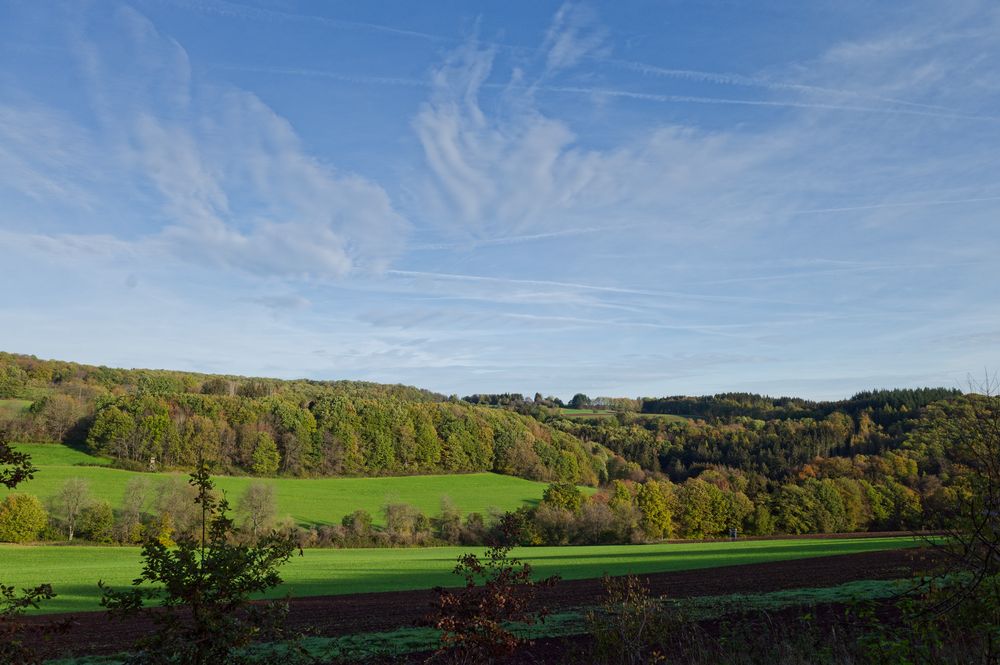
[149, 420]
[734, 463]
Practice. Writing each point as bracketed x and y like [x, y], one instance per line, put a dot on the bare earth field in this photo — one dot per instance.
[96, 633]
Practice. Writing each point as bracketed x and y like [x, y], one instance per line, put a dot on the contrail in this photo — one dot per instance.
[727, 78]
[320, 73]
[827, 211]
[510, 280]
[507, 240]
[793, 213]
[707, 329]
[226, 8]
[837, 271]
[611, 92]
[689, 99]
[585, 287]
[811, 273]
[909, 204]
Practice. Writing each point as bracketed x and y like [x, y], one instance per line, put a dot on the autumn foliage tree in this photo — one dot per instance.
[966, 432]
[475, 620]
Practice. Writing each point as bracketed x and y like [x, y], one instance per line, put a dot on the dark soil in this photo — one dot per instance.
[96, 633]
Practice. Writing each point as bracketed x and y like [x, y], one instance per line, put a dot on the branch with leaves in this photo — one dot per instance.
[203, 588]
[475, 620]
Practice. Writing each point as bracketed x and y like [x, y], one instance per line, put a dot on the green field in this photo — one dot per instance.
[586, 413]
[11, 408]
[52, 454]
[605, 413]
[307, 501]
[74, 570]
[407, 640]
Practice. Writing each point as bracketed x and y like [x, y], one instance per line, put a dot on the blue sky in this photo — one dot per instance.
[634, 198]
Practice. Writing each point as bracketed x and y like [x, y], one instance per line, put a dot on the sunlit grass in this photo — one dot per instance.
[308, 501]
[74, 570]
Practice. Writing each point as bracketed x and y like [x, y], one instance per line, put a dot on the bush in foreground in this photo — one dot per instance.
[203, 588]
[475, 620]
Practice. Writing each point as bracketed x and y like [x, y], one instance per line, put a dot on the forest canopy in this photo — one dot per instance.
[689, 466]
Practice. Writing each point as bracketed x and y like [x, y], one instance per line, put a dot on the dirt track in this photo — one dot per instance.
[95, 633]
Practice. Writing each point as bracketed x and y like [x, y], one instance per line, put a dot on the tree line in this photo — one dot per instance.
[800, 466]
[884, 406]
[154, 420]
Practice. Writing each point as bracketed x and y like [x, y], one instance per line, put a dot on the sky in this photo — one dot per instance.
[629, 198]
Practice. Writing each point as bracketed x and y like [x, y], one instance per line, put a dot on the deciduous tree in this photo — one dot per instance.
[257, 508]
[70, 502]
[266, 458]
[22, 518]
[203, 587]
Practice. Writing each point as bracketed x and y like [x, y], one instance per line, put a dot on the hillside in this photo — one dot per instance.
[306, 501]
[158, 420]
[702, 465]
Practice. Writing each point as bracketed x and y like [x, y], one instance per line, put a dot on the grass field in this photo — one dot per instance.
[10, 408]
[73, 570]
[307, 501]
[604, 413]
[409, 640]
[586, 413]
[49, 454]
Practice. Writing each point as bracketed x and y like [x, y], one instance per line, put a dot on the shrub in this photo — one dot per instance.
[475, 620]
[204, 586]
[556, 526]
[358, 527]
[97, 522]
[15, 467]
[15, 641]
[405, 524]
[22, 518]
[514, 527]
[474, 530]
[563, 495]
[597, 524]
[626, 624]
[448, 524]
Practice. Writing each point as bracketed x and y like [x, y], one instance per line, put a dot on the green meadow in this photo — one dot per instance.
[605, 413]
[308, 501]
[74, 570]
[11, 408]
[415, 639]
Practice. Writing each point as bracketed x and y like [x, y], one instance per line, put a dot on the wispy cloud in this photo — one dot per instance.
[893, 106]
[282, 302]
[519, 172]
[239, 10]
[744, 81]
[41, 157]
[327, 74]
[553, 216]
[231, 179]
[772, 103]
[574, 34]
[578, 286]
[505, 240]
